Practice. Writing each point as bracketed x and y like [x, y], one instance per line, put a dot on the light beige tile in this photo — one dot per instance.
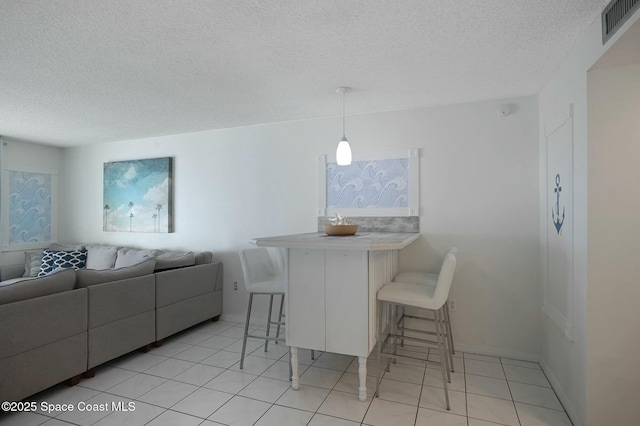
[137, 386]
[169, 368]
[492, 409]
[279, 416]
[324, 420]
[199, 374]
[385, 413]
[344, 405]
[308, 398]
[434, 399]
[433, 377]
[526, 375]
[403, 392]
[168, 393]
[202, 403]
[488, 386]
[265, 389]
[535, 395]
[538, 416]
[428, 417]
[478, 357]
[320, 377]
[142, 414]
[172, 418]
[195, 354]
[240, 411]
[230, 381]
[483, 368]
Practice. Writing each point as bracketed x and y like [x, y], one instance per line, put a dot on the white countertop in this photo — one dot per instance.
[359, 241]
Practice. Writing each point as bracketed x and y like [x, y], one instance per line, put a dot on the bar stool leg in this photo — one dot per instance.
[380, 333]
[449, 331]
[280, 315]
[443, 359]
[246, 331]
[266, 341]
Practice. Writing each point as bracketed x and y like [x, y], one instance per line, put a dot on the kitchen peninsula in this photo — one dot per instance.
[332, 283]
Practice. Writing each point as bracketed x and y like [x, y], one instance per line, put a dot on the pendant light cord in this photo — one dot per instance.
[343, 113]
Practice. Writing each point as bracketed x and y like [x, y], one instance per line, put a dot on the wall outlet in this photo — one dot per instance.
[235, 285]
[452, 305]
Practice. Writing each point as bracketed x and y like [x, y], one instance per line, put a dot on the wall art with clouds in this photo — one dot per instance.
[138, 196]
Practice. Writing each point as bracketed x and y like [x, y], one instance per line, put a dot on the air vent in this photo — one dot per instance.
[615, 15]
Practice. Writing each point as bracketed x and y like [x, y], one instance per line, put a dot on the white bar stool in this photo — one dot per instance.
[261, 277]
[395, 295]
[430, 279]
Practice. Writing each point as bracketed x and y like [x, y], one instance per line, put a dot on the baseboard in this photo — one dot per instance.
[576, 419]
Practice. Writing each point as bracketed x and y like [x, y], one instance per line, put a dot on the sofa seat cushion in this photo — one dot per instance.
[129, 256]
[171, 260]
[87, 277]
[28, 288]
[101, 257]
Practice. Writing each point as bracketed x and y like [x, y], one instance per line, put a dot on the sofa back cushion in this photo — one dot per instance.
[203, 257]
[171, 260]
[87, 277]
[129, 256]
[101, 257]
[54, 259]
[28, 288]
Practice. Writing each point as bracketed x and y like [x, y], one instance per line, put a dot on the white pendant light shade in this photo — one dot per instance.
[343, 153]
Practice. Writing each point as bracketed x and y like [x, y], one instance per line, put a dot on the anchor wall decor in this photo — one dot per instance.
[555, 215]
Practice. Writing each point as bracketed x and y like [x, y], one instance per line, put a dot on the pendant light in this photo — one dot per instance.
[343, 153]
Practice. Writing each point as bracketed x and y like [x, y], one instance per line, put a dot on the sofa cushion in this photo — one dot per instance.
[32, 262]
[203, 257]
[101, 257]
[128, 256]
[87, 277]
[52, 260]
[27, 288]
[65, 247]
[171, 260]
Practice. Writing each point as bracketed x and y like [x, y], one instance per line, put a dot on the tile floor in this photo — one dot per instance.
[194, 379]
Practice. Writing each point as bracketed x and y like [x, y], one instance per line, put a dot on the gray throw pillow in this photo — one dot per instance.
[101, 257]
[28, 288]
[32, 262]
[87, 277]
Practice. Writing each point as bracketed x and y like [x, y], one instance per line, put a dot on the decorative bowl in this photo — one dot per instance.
[336, 230]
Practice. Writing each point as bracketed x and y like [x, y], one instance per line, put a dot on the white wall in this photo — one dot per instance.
[479, 188]
[17, 153]
[613, 320]
[565, 361]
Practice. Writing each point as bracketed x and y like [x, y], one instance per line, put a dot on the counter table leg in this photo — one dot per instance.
[295, 380]
[362, 373]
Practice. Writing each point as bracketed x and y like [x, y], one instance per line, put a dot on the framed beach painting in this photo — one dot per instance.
[138, 195]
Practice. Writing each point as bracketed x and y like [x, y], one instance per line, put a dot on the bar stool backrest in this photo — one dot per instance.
[445, 278]
[257, 267]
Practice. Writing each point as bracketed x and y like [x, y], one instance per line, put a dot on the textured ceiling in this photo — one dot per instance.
[81, 72]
